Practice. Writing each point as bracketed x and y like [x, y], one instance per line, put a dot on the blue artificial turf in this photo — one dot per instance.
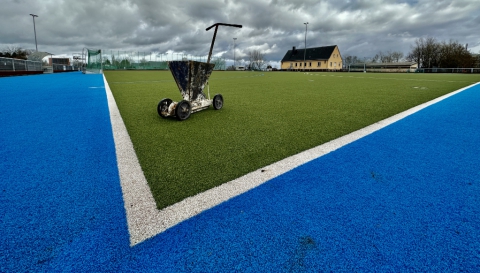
[406, 198]
[403, 199]
[59, 188]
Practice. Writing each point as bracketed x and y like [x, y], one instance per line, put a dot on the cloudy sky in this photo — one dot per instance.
[361, 28]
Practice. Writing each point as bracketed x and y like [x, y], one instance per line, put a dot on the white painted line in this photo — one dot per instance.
[145, 220]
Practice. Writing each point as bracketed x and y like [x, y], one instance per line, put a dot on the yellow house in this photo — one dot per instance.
[325, 58]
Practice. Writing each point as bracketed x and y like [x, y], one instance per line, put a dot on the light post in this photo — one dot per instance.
[34, 30]
[234, 65]
[305, 52]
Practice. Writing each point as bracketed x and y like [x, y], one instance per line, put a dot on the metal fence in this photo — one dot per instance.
[370, 68]
[8, 64]
[449, 70]
[120, 60]
[61, 67]
[380, 70]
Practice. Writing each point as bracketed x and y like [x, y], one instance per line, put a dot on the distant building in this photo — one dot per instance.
[384, 67]
[325, 58]
[61, 61]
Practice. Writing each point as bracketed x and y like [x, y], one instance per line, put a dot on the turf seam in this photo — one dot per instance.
[145, 220]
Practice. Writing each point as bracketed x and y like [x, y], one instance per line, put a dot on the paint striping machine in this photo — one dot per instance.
[191, 78]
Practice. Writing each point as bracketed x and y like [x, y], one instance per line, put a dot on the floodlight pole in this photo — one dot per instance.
[34, 30]
[305, 52]
[234, 39]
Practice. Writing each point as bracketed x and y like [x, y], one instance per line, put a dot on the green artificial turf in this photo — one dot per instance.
[267, 116]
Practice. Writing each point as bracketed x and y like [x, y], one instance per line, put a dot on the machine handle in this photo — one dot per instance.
[222, 24]
[215, 35]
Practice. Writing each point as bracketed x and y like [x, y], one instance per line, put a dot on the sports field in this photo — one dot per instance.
[266, 117]
[400, 198]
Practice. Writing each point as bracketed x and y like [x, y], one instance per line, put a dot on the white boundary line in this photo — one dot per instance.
[145, 220]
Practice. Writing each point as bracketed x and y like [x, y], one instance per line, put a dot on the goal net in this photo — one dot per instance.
[93, 61]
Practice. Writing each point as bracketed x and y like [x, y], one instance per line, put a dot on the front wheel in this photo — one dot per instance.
[218, 102]
[162, 107]
[183, 110]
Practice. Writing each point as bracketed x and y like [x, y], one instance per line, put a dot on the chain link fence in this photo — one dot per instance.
[131, 60]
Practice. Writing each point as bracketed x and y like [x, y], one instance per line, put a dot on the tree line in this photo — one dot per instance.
[255, 61]
[15, 53]
[380, 57]
[428, 53]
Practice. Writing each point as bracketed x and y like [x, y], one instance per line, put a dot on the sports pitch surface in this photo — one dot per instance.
[404, 198]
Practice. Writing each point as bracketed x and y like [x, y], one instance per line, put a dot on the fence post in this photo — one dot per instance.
[13, 64]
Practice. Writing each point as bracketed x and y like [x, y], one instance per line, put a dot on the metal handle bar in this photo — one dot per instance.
[215, 35]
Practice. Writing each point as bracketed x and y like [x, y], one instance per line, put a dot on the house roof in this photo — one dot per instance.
[314, 53]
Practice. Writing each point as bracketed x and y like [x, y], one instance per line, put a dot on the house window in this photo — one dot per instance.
[295, 64]
[330, 64]
[310, 64]
[318, 64]
[300, 64]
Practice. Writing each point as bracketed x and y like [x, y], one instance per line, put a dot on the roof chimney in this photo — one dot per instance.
[293, 49]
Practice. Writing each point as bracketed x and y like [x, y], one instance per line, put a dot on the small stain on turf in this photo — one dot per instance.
[297, 262]
[377, 177]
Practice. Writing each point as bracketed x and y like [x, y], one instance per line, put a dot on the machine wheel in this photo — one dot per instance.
[163, 107]
[218, 102]
[183, 110]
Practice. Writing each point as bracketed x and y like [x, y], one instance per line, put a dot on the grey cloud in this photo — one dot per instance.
[360, 28]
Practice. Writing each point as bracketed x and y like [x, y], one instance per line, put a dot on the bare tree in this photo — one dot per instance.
[453, 55]
[14, 52]
[397, 56]
[385, 57]
[256, 60]
[388, 57]
[380, 57]
[415, 56]
[349, 60]
[425, 52]
[429, 53]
